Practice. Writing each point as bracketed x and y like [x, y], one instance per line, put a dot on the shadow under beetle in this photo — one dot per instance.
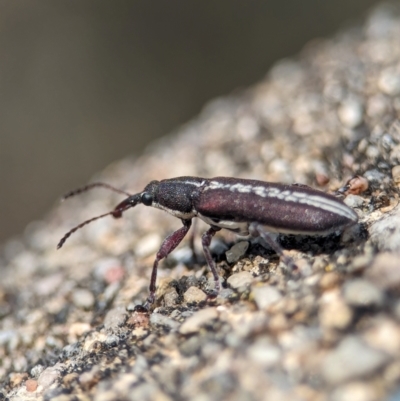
[239, 205]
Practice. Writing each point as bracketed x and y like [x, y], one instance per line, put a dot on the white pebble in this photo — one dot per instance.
[355, 391]
[350, 113]
[147, 245]
[115, 318]
[83, 299]
[50, 375]
[265, 353]
[237, 251]
[265, 296]
[200, 318]
[352, 359]
[194, 294]
[389, 81]
[362, 293]
[240, 280]
[354, 201]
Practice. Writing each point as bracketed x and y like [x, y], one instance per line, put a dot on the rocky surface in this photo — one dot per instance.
[70, 328]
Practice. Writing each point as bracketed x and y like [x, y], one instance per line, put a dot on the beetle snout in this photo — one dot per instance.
[127, 203]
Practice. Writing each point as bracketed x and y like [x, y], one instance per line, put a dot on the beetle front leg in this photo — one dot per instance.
[169, 244]
[206, 241]
[257, 230]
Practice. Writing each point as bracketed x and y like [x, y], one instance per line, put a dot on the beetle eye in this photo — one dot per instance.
[147, 199]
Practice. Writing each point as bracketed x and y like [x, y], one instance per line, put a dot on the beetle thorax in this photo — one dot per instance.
[176, 196]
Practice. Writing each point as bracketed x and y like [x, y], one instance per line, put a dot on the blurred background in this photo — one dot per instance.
[83, 83]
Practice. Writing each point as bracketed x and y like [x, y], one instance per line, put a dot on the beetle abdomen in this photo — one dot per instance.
[282, 208]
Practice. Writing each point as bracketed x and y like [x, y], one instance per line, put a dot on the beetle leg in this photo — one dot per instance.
[169, 244]
[206, 241]
[191, 241]
[257, 230]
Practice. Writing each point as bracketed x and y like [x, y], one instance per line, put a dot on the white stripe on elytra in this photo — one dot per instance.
[195, 183]
[287, 195]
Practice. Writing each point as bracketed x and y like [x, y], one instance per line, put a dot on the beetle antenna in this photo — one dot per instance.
[117, 212]
[94, 185]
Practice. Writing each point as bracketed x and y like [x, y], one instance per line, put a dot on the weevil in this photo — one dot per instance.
[240, 205]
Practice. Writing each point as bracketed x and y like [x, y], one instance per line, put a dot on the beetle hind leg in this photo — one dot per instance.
[257, 230]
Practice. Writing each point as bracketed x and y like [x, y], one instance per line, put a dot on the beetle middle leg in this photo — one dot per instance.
[169, 244]
[206, 241]
[191, 241]
[257, 230]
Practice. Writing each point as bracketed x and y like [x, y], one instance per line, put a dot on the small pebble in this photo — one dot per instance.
[109, 270]
[278, 323]
[329, 280]
[384, 271]
[77, 329]
[157, 319]
[356, 391]
[396, 174]
[70, 378]
[227, 294]
[31, 385]
[359, 263]
[395, 155]
[385, 336]
[37, 370]
[374, 176]
[89, 378]
[170, 297]
[147, 245]
[6, 336]
[353, 201]
[372, 152]
[50, 375]
[389, 81]
[396, 309]
[115, 318]
[70, 350]
[237, 251]
[114, 274]
[248, 128]
[194, 295]
[83, 298]
[112, 340]
[197, 320]
[352, 359]
[182, 255]
[265, 296]
[48, 285]
[265, 353]
[139, 319]
[322, 179]
[110, 292]
[362, 293]
[377, 106]
[350, 113]
[333, 312]
[389, 223]
[17, 378]
[240, 280]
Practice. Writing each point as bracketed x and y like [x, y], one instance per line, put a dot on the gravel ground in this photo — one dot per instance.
[69, 325]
